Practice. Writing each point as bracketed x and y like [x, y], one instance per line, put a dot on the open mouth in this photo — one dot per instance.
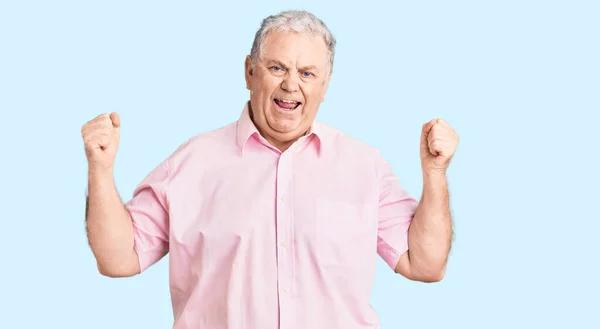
[286, 105]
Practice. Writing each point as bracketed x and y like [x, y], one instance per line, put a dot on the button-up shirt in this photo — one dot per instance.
[263, 239]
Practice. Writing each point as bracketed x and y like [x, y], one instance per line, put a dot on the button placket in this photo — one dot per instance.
[284, 237]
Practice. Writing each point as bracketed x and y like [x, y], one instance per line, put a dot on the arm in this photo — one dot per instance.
[109, 227]
[108, 224]
[430, 233]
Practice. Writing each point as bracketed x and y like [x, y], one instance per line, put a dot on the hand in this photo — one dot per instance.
[101, 140]
[438, 144]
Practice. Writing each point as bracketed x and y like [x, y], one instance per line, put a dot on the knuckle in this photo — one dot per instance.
[100, 120]
[101, 128]
[103, 122]
[86, 125]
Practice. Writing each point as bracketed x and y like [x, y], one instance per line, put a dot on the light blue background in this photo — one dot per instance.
[518, 80]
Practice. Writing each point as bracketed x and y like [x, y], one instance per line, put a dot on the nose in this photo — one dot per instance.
[290, 83]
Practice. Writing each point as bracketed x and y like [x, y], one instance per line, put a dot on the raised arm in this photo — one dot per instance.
[430, 233]
[108, 223]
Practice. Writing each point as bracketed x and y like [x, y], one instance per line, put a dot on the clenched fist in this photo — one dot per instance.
[438, 144]
[101, 140]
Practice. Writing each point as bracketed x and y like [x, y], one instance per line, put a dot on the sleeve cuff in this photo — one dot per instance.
[391, 255]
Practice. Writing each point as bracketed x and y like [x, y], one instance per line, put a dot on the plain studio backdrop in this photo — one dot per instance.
[518, 80]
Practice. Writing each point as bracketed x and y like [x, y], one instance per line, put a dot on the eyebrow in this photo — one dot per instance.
[309, 68]
[279, 63]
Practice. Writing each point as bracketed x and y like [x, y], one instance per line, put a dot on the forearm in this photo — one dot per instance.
[109, 226]
[430, 233]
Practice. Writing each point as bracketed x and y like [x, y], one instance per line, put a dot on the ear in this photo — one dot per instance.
[248, 71]
[325, 86]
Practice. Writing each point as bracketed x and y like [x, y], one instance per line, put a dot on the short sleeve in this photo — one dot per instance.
[149, 213]
[396, 211]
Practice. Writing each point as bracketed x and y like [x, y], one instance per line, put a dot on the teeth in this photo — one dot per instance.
[286, 101]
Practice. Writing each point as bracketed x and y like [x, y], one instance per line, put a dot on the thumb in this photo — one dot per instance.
[116, 121]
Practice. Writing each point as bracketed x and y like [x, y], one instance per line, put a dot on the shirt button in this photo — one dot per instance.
[282, 199]
[286, 290]
[283, 244]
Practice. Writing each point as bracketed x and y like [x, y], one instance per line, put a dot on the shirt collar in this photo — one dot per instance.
[246, 129]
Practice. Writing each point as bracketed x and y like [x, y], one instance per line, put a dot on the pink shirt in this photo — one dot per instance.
[259, 239]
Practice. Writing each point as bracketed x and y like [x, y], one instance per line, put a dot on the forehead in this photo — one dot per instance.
[294, 48]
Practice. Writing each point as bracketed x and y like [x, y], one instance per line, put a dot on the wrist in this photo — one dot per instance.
[434, 173]
[97, 171]
[434, 178]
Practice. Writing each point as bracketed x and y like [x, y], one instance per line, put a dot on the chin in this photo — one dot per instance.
[285, 128]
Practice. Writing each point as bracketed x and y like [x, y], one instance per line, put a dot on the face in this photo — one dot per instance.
[287, 85]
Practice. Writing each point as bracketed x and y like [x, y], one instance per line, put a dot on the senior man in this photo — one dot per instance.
[275, 220]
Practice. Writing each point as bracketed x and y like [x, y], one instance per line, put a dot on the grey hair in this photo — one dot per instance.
[299, 21]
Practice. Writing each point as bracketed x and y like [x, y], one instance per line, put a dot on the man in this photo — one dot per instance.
[276, 220]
